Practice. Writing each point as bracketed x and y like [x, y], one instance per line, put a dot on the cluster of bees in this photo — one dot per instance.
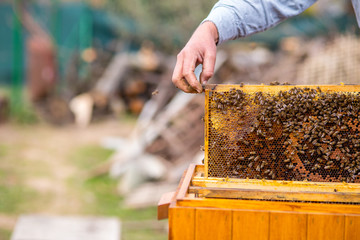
[300, 134]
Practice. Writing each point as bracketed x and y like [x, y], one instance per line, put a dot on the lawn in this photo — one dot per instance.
[44, 170]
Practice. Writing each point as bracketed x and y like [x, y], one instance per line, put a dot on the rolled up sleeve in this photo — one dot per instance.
[356, 5]
[240, 18]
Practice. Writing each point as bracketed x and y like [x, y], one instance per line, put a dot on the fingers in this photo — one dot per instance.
[208, 67]
[188, 72]
[183, 75]
[201, 48]
[188, 88]
[177, 77]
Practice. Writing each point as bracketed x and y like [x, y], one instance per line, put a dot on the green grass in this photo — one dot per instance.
[87, 157]
[107, 202]
[3, 150]
[102, 190]
[14, 195]
[16, 199]
[5, 234]
[100, 196]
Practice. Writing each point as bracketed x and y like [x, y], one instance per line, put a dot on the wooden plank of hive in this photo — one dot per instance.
[249, 224]
[325, 226]
[271, 206]
[182, 219]
[213, 224]
[206, 135]
[277, 88]
[352, 226]
[185, 182]
[286, 225]
[182, 223]
[274, 190]
[163, 205]
[274, 194]
[194, 171]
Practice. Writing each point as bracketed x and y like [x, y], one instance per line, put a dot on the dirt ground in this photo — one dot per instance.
[41, 169]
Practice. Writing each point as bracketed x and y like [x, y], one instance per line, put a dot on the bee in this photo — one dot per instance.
[154, 93]
[262, 164]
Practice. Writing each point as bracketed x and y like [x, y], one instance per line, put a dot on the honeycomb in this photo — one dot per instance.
[302, 133]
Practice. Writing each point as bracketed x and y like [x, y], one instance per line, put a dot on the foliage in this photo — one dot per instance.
[166, 22]
[21, 111]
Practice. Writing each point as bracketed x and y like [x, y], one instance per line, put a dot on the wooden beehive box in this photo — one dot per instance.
[281, 162]
[192, 217]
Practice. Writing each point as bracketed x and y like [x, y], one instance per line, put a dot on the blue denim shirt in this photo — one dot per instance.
[240, 18]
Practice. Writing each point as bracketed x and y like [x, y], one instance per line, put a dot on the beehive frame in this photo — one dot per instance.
[221, 118]
[302, 180]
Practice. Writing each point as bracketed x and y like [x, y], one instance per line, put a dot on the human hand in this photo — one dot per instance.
[200, 49]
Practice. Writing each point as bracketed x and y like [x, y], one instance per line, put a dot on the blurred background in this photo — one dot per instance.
[90, 123]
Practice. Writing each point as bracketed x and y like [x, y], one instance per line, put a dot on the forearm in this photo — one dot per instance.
[356, 6]
[240, 18]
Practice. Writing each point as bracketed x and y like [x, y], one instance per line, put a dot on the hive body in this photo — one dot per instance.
[192, 217]
[281, 162]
